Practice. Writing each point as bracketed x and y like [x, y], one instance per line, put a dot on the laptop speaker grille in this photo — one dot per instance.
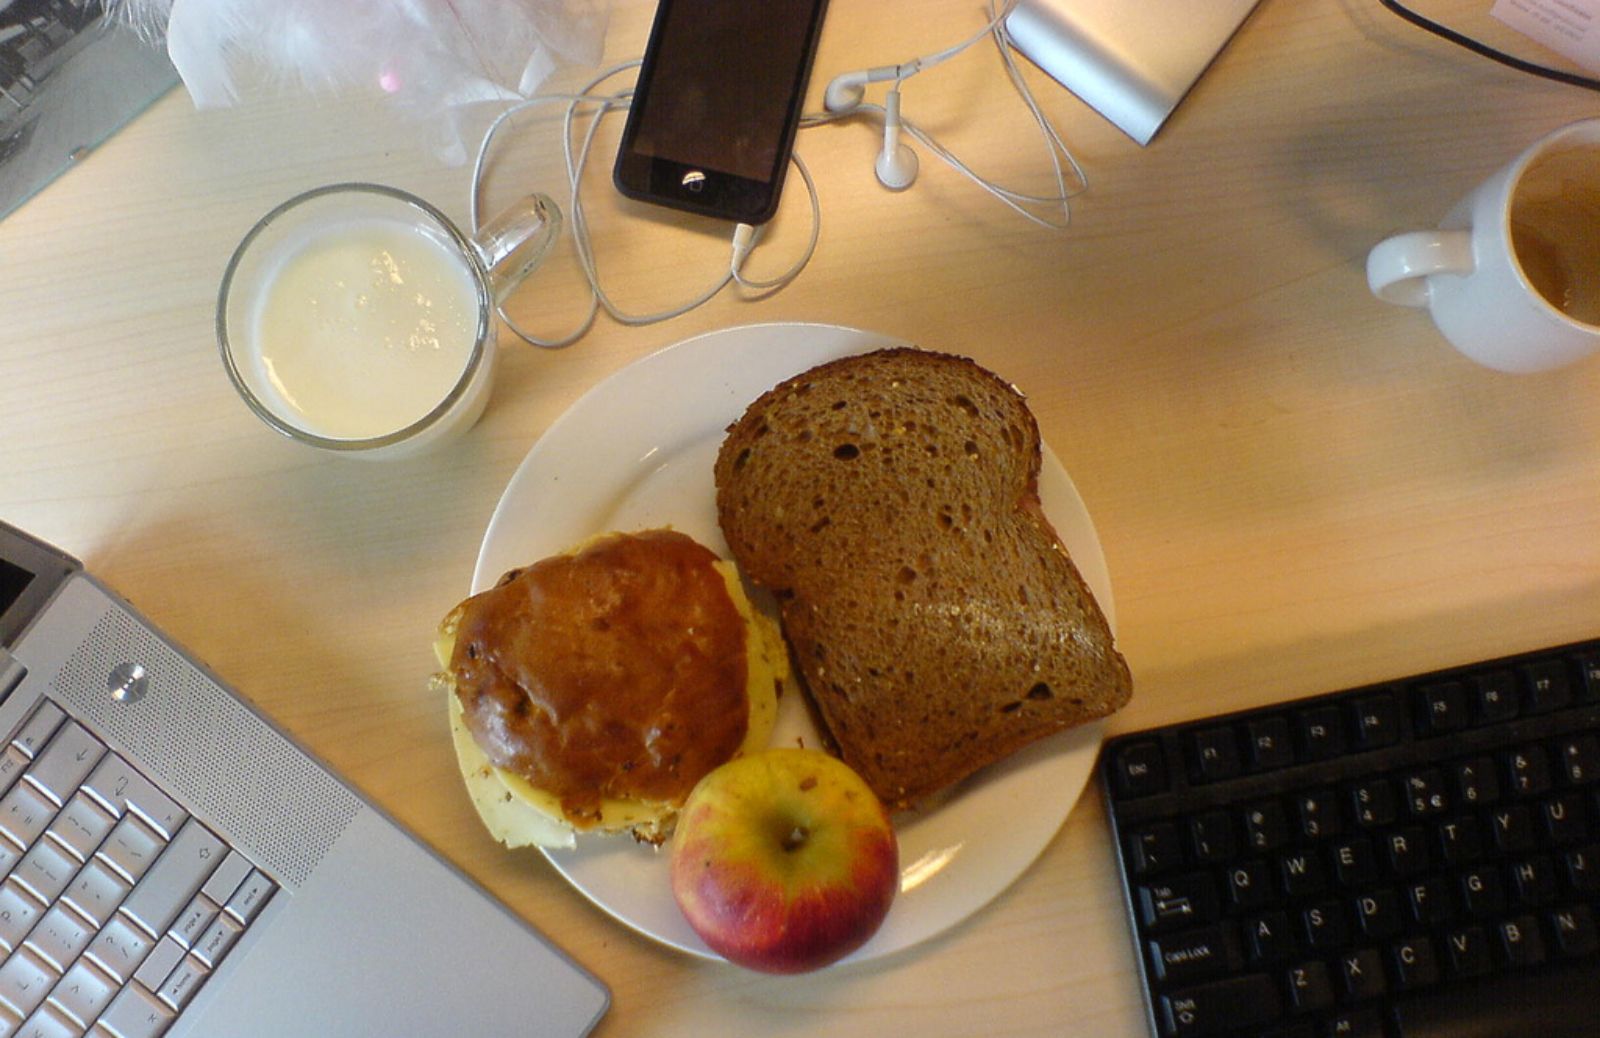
[260, 793]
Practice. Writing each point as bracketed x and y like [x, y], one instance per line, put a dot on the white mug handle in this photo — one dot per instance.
[1397, 268]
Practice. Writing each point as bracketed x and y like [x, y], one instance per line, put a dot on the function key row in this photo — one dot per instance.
[1330, 727]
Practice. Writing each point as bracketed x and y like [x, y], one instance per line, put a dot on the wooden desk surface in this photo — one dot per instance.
[1297, 487]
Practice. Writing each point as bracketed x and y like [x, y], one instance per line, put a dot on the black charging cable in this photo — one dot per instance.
[1543, 71]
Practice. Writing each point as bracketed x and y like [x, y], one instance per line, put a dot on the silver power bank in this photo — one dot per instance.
[1130, 60]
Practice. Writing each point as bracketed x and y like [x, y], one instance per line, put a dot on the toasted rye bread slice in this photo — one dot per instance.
[890, 501]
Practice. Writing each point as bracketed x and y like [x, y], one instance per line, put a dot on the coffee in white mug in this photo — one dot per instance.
[1512, 275]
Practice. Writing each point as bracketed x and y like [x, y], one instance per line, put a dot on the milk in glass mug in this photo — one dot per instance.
[358, 319]
[1512, 275]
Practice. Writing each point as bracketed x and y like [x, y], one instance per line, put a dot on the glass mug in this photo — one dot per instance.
[1512, 275]
[358, 319]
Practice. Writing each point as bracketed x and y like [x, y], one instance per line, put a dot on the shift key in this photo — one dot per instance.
[1248, 1001]
[175, 877]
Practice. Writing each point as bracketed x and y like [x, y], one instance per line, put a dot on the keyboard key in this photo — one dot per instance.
[25, 813]
[175, 877]
[159, 964]
[84, 991]
[1374, 802]
[122, 788]
[1579, 758]
[132, 847]
[1533, 882]
[1378, 913]
[1528, 770]
[1564, 820]
[182, 983]
[1251, 1000]
[65, 762]
[1441, 708]
[1325, 929]
[1250, 885]
[1432, 901]
[1150, 850]
[1494, 697]
[257, 889]
[1166, 905]
[193, 921]
[1460, 840]
[81, 826]
[1407, 851]
[97, 890]
[37, 729]
[1211, 838]
[1520, 941]
[119, 948]
[1270, 743]
[1361, 1022]
[1588, 689]
[1179, 958]
[1583, 870]
[19, 910]
[49, 1022]
[25, 980]
[60, 936]
[1377, 721]
[135, 1013]
[1267, 937]
[1476, 784]
[1574, 931]
[1361, 975]
[1467, 952]
[1302, 874]
[1321, 733]
[1310, 988]
[46, 870]
[1425, 793]
[1354, 862]
[1266, 827]
[1512, 828]
[1549, 686]
[1318, 812]
[1482, 893]
[1415, 965]
[1139, 770]
[1215, 754]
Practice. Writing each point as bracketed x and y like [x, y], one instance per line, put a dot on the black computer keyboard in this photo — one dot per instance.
[1415, 858]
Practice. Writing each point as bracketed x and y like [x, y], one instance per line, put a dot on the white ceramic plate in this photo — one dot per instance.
[636, 452]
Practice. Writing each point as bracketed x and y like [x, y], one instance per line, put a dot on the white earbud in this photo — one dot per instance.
[897, 163]
[846, 90]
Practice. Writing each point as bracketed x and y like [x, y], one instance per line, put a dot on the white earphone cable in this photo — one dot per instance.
[744, 240]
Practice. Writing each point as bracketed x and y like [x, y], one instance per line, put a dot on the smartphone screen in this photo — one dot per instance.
[717, 104]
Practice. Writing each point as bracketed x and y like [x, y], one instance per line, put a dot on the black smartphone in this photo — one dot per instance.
[717, 104]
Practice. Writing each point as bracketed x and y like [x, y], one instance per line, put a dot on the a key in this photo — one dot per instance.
[175, 878]
[135, 1013]
[132, 847]
[63, 764]
[120, 948]
[1248, 1001]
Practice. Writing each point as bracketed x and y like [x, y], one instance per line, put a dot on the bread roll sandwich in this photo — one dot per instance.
[890, 501]
[591, 690]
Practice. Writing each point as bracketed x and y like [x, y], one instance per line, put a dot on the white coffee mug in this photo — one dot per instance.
[1512, 275]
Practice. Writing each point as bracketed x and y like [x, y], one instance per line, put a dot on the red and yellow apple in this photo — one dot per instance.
[784, 861]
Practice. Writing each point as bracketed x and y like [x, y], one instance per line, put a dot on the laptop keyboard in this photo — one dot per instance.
[115, 904]
[1409, 859]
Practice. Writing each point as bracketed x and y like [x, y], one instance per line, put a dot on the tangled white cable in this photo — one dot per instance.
[745, 237]
[844, 98]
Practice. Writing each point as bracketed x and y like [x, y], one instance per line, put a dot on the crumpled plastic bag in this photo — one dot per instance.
[430, 57]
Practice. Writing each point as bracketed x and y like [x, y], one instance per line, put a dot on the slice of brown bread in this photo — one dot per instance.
[890, 501]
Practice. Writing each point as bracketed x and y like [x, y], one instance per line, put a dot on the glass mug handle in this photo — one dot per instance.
[515, 242]
[1398, 267]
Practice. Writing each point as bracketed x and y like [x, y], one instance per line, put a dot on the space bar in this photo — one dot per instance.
[1551, 1004]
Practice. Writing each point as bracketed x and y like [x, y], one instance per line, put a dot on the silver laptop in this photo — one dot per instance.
[1130, 60]
[174, 865]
